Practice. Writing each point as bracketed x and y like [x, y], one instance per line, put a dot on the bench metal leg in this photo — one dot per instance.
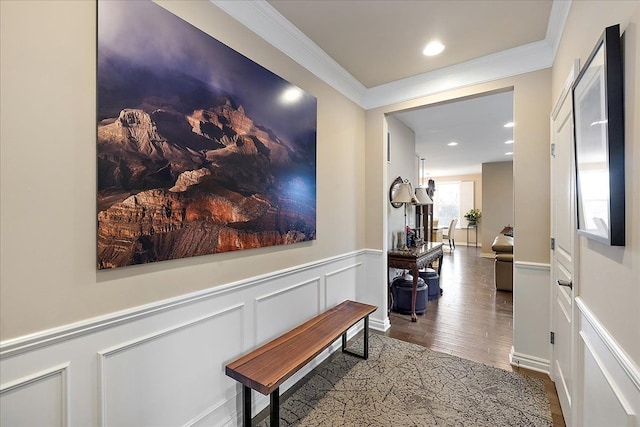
[246, 406]
[366, 337]
[274, 409]
[365, 353]
[274, 413]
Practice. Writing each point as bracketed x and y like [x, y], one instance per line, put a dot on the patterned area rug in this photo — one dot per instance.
[403, 384]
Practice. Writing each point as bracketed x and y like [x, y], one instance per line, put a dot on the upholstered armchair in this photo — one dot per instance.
[503, 268]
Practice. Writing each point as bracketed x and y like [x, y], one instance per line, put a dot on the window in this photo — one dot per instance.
[451, 201]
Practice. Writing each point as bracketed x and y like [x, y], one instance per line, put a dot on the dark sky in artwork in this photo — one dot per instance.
[146, 34]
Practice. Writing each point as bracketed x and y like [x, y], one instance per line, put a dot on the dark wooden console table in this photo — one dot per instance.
[414, 259]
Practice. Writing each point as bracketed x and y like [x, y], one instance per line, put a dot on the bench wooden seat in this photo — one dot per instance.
[268, 366]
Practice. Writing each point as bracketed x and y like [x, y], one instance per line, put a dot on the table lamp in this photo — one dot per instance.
[404, 195]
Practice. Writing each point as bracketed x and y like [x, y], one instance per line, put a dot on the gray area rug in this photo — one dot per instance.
[403, 384]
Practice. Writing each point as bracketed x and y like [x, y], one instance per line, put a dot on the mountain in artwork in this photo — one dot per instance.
[183, 171]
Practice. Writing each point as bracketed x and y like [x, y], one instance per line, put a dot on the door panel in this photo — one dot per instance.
[562, 230]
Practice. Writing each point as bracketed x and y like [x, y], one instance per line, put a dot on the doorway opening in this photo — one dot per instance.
[466, 147]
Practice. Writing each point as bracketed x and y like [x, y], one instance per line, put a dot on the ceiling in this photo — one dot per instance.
[381, 41]
[476, 124]
[372, 52]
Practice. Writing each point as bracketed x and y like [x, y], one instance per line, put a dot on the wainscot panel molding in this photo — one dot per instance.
[341, 284]
[531, 348]
[163, 363]
[41, 398]
[609, 380]
[164, 360]
[267, 326]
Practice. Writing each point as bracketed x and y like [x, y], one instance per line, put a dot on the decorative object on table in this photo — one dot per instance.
[411, 237]
[473, 216]
[200, 150]
[400, 240]
[598, 116]
[403, 194]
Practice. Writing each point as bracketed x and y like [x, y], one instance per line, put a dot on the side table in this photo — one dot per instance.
[473, 227]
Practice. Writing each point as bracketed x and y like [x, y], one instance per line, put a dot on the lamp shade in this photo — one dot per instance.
[423, 197]
[403, 194]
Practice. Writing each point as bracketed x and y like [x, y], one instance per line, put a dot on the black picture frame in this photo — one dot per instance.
[598, 119]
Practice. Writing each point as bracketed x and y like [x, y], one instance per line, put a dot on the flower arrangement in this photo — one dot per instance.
[411, 237]
[473, 215]
[409, 231]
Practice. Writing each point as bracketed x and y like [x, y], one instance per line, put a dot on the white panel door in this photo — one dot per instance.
[562, 259]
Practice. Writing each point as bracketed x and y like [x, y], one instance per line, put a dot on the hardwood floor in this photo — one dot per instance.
[470, 320]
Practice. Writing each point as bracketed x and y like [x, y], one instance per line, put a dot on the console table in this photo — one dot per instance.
[414, 259]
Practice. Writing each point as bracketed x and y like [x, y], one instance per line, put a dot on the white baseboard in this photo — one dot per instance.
[529, 362]
[380, 325]
[470, 245]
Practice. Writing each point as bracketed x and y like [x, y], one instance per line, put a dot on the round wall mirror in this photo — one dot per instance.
[392, 191]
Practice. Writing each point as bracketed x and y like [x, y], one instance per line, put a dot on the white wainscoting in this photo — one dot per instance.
[375, 287]
[610, 381]
[41, 399]
[531, 347]
[163, 363]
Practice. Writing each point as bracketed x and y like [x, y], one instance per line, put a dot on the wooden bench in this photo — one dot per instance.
[268, 366]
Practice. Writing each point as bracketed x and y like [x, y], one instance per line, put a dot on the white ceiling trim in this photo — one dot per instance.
[511, 62]
[557, 20]
[263, 19]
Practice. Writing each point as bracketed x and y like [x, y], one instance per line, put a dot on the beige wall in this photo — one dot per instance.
[497, 198]
[48, 173]
[403, 148]
[531, 167]
[531, 159]
[608, 278]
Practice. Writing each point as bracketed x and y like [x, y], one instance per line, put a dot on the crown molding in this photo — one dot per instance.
[557, 21]
[520, 60]
[264, 20]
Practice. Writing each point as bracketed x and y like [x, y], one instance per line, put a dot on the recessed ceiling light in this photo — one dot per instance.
[509, 125]
[433, 48]
[509, 153]
[452, 143]
[509, 141]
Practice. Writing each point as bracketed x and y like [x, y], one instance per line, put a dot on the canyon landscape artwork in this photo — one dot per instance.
[199, 149]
